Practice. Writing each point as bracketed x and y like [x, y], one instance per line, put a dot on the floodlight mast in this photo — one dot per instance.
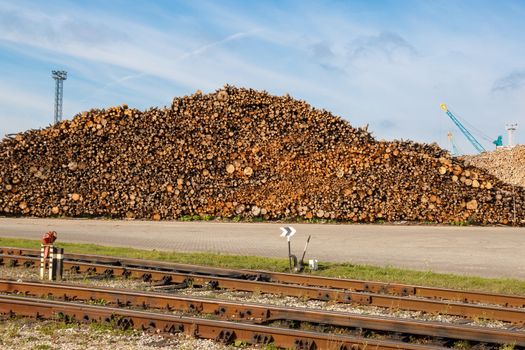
[59, 76]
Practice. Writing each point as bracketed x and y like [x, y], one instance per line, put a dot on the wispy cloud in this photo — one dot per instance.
[23, 25]
[195, 52]
[370, 50]
[512, 81]
[389, 45]
[143, 50]
[229, 38]
[390, 71]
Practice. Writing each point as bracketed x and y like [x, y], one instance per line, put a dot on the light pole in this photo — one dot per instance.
[59, 76]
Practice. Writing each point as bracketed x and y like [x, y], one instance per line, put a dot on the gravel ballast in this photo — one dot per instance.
[24, 334]
[275, 300]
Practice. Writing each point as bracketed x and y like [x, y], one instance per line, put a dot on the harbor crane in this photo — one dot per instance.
[450, 137]
[498, 142]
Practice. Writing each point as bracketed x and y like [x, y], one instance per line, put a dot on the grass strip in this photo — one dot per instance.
[328, 269]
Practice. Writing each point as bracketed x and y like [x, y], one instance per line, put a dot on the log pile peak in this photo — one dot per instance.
[240, 153]
[507, 164]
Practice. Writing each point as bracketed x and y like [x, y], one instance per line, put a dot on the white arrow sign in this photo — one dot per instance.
[287, 232]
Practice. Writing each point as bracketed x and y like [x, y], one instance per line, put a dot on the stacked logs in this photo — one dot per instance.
[507, 164]
[240, 152]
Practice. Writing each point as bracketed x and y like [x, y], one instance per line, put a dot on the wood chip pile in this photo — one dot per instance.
[506, 164]
[240, 153]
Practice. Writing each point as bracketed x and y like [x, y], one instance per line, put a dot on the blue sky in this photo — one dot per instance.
[388, 64]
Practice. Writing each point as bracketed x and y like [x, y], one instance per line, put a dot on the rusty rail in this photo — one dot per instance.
[223, 331]
[145, 264]
[258, 313]
[326, 294]
[301, 279]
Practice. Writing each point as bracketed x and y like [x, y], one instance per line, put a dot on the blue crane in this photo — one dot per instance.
[455, 150]
[464, 130]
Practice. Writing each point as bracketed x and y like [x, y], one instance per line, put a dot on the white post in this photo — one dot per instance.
[51, 263]
[42, 262]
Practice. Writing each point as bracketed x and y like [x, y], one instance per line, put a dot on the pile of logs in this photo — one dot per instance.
[507, 164]
[240, 153]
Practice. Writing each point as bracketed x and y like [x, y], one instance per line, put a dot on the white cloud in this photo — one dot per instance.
[385, 74]
[149, 53]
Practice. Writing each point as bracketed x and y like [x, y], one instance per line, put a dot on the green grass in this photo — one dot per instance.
[103, 327]
[458, 223]
[210, 259]
[345, 270]
[10, 330]
[424, 278]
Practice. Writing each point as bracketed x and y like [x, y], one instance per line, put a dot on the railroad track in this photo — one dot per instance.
[442, 333]
[223, 331]
[287, 278]
[254, 281]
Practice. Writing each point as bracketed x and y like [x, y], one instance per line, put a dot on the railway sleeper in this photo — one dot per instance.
[213, 284]
[74, 269]
[262, 339]
[195, 308]
[226, 336]
[305, 344]
[351, 347]
[174, 328]
[126, 273]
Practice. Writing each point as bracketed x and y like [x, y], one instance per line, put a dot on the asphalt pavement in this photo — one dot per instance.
[478, 251]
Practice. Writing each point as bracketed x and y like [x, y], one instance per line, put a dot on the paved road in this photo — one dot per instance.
[481, 251]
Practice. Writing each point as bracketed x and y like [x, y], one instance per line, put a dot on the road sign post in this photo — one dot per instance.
[288, 232]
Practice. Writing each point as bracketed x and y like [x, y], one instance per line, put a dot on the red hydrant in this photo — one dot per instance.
[47, 239]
